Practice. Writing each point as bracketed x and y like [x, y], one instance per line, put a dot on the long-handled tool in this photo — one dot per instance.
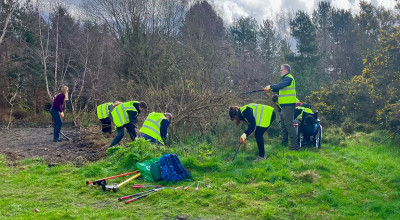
[103, 181]
[197, 187]
[136, 186]
[142, 196]
[114, 187]
[133, 195]
[254, 91]
[65, 136]
[236, 152]
[187, 187]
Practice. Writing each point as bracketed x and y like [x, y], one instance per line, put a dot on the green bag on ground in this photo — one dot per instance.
[145, 168]
[155, 170]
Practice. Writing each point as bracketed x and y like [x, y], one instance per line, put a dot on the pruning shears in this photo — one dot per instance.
[137, 186]
[144, 195]
[254, 91]
[187, 187]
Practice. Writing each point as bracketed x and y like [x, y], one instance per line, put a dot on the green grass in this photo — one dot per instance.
[356, 179]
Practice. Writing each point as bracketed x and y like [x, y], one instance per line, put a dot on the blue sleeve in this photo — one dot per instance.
[132, 116]
[286, 81]
[164, 128]
[248, 115]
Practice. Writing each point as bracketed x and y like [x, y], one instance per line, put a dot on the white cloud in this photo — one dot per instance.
[73, 6]
[260, 9]
[387, 3]
[231, 9]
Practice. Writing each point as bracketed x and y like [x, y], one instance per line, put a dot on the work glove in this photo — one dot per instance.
[243, 137]
[62, 114]
[267, 88]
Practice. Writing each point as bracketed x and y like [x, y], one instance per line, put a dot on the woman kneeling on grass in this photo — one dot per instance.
[258, 117]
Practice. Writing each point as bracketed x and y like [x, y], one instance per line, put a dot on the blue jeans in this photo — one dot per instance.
[150, 139]
[57, 123]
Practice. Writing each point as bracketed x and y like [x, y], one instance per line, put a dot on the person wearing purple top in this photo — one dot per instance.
[57, 113]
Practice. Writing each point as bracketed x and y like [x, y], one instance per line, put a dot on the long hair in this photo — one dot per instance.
[62, 88]
[234, 114]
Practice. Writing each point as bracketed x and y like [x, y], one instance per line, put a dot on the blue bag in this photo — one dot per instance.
[172, 169]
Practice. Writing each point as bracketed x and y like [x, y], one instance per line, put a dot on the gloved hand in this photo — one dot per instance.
[243, 137]
[62, 114]
[267, 88]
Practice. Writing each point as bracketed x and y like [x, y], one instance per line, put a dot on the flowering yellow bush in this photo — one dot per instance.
[372, 96]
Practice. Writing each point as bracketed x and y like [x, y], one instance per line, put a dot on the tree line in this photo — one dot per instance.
[179, 56]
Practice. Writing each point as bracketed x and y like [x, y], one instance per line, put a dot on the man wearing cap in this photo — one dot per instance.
[287, 101]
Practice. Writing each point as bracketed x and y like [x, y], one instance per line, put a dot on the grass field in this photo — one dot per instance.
[356, 179]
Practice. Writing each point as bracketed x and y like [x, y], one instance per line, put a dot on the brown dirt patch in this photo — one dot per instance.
[32, 142]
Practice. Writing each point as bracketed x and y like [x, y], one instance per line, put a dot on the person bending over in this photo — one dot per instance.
[259, 118]
[124, 117]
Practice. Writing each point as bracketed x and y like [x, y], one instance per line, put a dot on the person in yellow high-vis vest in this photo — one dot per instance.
[103, 114]
[259, 118]
[287, 100]
[124, 116]
[155, 127]
[300, 108]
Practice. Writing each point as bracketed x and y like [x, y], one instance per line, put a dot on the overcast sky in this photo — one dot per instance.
[260, 9]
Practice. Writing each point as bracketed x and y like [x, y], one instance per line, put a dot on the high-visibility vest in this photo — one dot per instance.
[120, 113]
[300, 117]
[103, 110]
[287, 95]
[280, 107]
[262, 113]
[152, 126]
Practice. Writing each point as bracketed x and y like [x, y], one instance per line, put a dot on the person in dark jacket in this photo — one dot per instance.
[300, 108]
[305, 127]
[124, 116]
[57, 113]
[155, 127]
[258, 117]
[287, 100]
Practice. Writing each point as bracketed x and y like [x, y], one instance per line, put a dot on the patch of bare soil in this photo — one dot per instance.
[31, 142]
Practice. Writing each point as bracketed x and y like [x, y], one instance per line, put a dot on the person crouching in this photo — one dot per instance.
[155, 127]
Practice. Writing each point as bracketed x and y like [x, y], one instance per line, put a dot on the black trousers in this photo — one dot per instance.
[105, 125]
[120, 133]
[259, 135]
